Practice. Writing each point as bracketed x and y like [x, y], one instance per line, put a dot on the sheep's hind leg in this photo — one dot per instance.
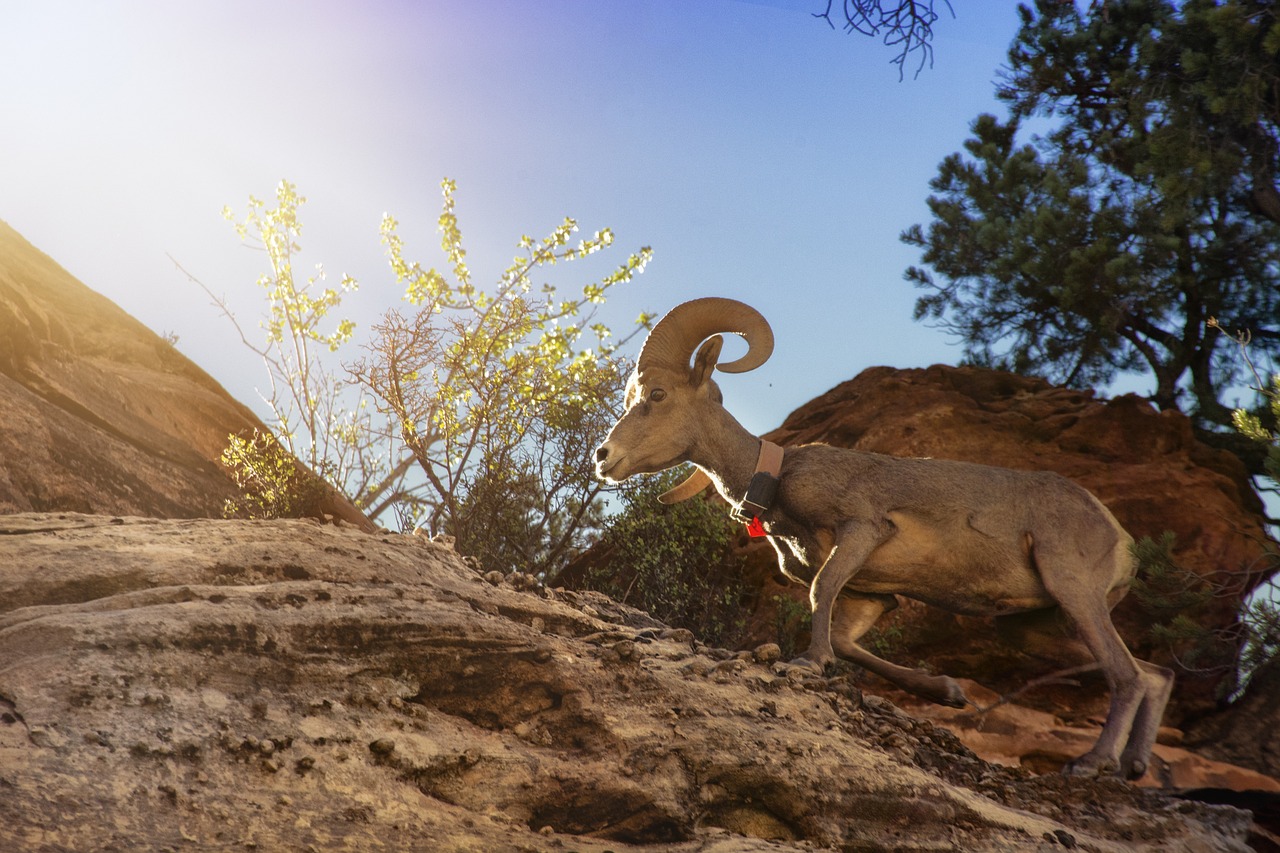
[853, 616]
[1137, 752]
[1087, 607]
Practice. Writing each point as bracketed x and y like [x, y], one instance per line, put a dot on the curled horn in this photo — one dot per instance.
[690, 486]
[674, 339]
[672, 343]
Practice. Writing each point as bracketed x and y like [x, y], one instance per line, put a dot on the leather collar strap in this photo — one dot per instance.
[764, 483]
[770, 459]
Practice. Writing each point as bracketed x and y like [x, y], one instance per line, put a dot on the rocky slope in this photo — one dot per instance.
[191, 684]
[99, 413]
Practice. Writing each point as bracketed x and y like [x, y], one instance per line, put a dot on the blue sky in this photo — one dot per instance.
[760, 153]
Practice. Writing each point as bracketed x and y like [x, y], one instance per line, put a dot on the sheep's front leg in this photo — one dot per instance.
[848, 555]
[853, 616]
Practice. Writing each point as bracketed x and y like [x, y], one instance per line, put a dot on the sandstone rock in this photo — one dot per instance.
[285, 685]
[98, 413]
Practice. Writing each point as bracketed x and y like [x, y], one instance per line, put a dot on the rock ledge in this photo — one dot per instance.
[199, 684]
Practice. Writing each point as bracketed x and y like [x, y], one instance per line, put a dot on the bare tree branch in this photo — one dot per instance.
[907, 25]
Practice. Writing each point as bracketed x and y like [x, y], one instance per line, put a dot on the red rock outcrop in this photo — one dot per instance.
[1018, 736]
[1146, 466]
[100, 414]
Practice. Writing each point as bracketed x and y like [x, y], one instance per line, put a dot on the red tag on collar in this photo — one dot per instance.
[755, 528]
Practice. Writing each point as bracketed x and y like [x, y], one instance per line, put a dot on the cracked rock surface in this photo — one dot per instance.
[200, 684]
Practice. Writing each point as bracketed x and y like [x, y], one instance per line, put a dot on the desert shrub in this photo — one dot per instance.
[675, 562]
[270, 481]
[475, 410]
[1262, 613]
[1174, 597]
[792, 621]
[501, 390]
[1171, 596]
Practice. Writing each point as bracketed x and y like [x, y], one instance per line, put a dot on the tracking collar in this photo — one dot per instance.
[763, 489]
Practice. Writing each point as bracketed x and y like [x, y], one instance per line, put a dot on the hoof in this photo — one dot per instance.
[1133, 768]
[1090, 765]
[804, 666]
[947, 692]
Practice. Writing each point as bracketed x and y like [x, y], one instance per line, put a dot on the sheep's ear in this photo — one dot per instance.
[705, 361]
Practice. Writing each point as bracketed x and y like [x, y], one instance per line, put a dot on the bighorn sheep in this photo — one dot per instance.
[863, 527]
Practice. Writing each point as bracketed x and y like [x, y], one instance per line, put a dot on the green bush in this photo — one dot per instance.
[675, 562]
[1174, 597]
[791, 620]
[271, 483]
[475, 410]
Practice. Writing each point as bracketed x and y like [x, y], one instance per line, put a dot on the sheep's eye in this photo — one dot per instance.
[657, 395]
